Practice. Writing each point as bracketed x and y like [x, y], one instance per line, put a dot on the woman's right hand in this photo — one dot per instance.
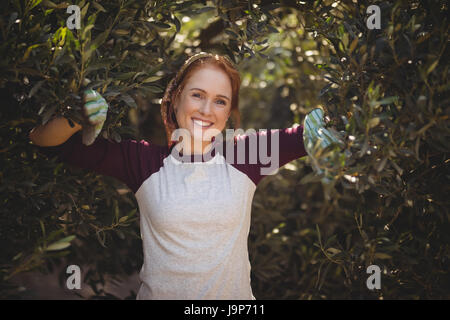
[95, 109]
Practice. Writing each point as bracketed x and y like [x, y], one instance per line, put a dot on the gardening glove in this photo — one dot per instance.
[316, 139]
[95, 108]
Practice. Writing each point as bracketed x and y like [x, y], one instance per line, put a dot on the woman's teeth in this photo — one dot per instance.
[203, 124]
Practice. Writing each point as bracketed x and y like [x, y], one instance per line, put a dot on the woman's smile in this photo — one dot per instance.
[204, 124]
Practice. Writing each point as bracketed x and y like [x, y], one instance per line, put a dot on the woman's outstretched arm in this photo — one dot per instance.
[54, 132]
[130, 161]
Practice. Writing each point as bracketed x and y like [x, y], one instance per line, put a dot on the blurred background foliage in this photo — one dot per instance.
[385, 91]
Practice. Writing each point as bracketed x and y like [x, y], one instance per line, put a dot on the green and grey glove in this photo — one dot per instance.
[316, 139]
[95, 109]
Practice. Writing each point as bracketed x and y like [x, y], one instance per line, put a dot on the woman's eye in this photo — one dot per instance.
[198, 95]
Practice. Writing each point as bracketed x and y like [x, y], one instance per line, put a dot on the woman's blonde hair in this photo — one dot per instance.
[176, 86]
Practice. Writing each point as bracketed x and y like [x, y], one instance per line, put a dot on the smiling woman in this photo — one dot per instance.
[194, 215]
[213, 90]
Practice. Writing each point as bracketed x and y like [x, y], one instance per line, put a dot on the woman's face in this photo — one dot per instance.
[204, 105]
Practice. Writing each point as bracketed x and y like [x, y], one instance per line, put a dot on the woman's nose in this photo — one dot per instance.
[205, 108]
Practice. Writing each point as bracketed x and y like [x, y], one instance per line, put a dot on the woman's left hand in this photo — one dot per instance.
[316, 139]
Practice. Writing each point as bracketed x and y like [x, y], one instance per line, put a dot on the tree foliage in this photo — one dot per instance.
[386, 92]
